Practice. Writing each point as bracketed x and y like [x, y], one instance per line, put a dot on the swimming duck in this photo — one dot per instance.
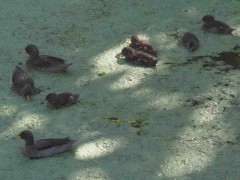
[142, 45]
[43, 147]
[189, 41]
[139, 57]
[44, 62]
[209, 24]
[55, 101]
[23, 84]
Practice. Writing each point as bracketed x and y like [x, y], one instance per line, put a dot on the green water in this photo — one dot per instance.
[175, 121]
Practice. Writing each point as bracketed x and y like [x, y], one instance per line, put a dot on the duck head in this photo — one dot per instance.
[52, 98]
[32, 51]
[27, 136]
[208, 19]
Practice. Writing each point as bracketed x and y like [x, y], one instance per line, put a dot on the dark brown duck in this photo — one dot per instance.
[22, 83]
[189, 41]
[44, 62]
[55, 101]
[209, 24]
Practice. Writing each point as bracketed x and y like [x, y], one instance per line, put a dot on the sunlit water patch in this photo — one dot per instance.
[98, 148]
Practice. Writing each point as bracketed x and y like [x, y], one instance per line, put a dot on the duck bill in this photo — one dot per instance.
[22, 51]
[119, 55]
[28, 98]
[18, 137]
[44, 101]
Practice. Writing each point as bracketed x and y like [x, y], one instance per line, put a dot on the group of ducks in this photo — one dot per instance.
[23, 84]
[139, 52]
[209, 24]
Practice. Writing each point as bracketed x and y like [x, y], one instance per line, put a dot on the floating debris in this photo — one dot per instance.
[142, 132]
[174, 34]
[102, 74]
[133, 123]
[136, 123]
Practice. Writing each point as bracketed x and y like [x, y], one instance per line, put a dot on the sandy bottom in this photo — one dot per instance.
[179, 120]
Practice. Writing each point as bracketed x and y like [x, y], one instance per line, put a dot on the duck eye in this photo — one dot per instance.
[23, 134]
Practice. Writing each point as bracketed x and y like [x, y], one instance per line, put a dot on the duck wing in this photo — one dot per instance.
[222, 26]
[218, 27]
[44, 144]
[146, 59]
[49, 64]
[64, 98]
[144, 46]
[46, 61]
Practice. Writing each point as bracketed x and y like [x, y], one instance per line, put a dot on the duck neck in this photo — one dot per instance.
[30, 142]
[34, 56]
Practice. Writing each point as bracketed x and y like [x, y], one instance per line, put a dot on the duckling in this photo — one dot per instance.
[139, 57]
[209, 24]
[189, 41]
[23, 84]
[142, 45]
[55, 101]
[44, 62]
[43, 147]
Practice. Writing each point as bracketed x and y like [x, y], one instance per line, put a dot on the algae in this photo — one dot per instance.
[179, 120]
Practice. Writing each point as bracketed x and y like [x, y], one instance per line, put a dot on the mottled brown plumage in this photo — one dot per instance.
[189, 41]
[44, 62]
[209, 24]
[139, 57]
[22, 83]
[55, 101]
[142, 45]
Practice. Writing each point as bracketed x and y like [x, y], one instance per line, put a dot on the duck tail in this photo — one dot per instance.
[69, 140]
[64, 67]
[73, 99]
[76, 96]
[231, 30]
[68, 65]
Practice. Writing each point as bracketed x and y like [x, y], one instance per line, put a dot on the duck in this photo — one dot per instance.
[139, 57]
[55, 101]
[44, 62]
[189, 41]
[23, 84]
[43, 147]
[142, 45]
[209, 24]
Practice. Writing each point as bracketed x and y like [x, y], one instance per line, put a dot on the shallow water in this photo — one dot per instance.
[179, 120]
